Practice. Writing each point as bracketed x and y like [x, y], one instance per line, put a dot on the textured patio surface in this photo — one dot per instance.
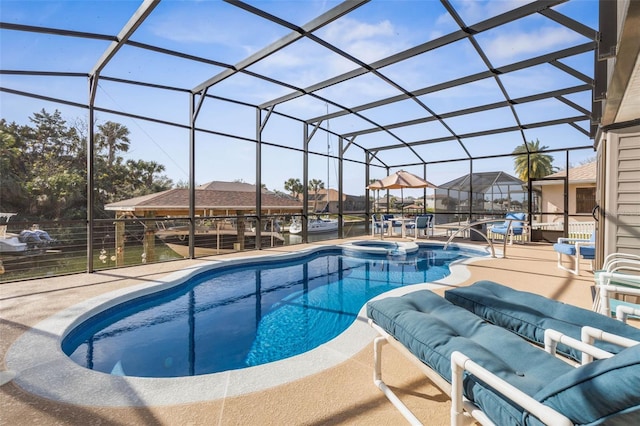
[344, 394]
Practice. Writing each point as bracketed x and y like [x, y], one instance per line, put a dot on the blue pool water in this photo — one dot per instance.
[245, 315]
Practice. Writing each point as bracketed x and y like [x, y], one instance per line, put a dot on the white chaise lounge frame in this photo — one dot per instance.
[620, 275]
[575, 259]
[462, 410]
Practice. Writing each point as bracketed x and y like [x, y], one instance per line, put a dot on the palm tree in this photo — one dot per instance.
[294, 186]
[112, 137]
[540, 165]
[315, 185]
[143, 172]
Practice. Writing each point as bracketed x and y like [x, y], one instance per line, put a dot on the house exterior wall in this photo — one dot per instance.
[617, 139]
[553, 201]
[621, 201]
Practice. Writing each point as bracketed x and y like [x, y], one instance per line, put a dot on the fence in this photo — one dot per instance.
[576, 229]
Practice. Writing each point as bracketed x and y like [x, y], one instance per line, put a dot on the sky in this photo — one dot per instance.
[224, 34]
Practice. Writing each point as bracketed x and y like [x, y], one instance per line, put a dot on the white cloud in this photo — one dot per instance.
[366, 41]
[474, 11]
[512, 44]
[348, 30]
[285, 58]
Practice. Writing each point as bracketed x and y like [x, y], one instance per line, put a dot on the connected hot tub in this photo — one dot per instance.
[382, 248]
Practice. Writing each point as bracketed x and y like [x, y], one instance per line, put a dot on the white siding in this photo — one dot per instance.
[625, 216]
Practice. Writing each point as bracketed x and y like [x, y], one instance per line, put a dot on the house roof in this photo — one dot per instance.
[583, 173]
[217, 185]
[207, 198]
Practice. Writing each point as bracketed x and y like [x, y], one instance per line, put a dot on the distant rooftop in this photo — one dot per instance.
[217, 185]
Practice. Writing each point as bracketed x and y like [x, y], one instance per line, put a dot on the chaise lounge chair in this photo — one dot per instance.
[528, 315]
[575, 248]
[617, 284]
[497, 377]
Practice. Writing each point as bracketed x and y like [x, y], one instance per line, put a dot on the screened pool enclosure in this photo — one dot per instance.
[332, 95]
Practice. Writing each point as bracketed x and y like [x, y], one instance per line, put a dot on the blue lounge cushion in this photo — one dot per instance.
[587, 252]
[528, 315]
[432, 329]
[602, 392]
[569, 248]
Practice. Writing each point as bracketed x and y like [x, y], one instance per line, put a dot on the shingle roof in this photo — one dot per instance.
[178, 198]
[584, 173]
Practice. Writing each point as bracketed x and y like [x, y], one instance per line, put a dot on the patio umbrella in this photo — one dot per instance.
[400, 180]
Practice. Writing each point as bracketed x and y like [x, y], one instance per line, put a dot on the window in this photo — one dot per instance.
[585, 199]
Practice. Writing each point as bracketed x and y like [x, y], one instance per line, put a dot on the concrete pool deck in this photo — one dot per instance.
[339, 394]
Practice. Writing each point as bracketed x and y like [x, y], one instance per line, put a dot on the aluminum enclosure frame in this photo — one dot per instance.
[347, 140]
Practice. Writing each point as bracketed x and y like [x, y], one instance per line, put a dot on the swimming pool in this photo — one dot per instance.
[247, 314]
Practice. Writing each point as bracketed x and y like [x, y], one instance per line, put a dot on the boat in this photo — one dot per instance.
[316, 225]
[28, 242]
[9, 243]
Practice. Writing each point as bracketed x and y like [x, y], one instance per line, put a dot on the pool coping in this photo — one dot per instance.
[36, 363]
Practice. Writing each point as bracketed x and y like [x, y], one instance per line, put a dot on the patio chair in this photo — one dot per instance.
[575, 248]
[421, 225]
[496, 377]
[514, 225]
[394, 223]
[379, 225]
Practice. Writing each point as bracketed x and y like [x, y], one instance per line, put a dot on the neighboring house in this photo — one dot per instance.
[410, 203]
[326, 201]
[355, 203]
[429, 201]
[581, 190]
[323, 201]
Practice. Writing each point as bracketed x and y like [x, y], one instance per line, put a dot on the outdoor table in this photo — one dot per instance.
[403, 220]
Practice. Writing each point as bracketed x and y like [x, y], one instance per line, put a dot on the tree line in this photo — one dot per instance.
[43, 168]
